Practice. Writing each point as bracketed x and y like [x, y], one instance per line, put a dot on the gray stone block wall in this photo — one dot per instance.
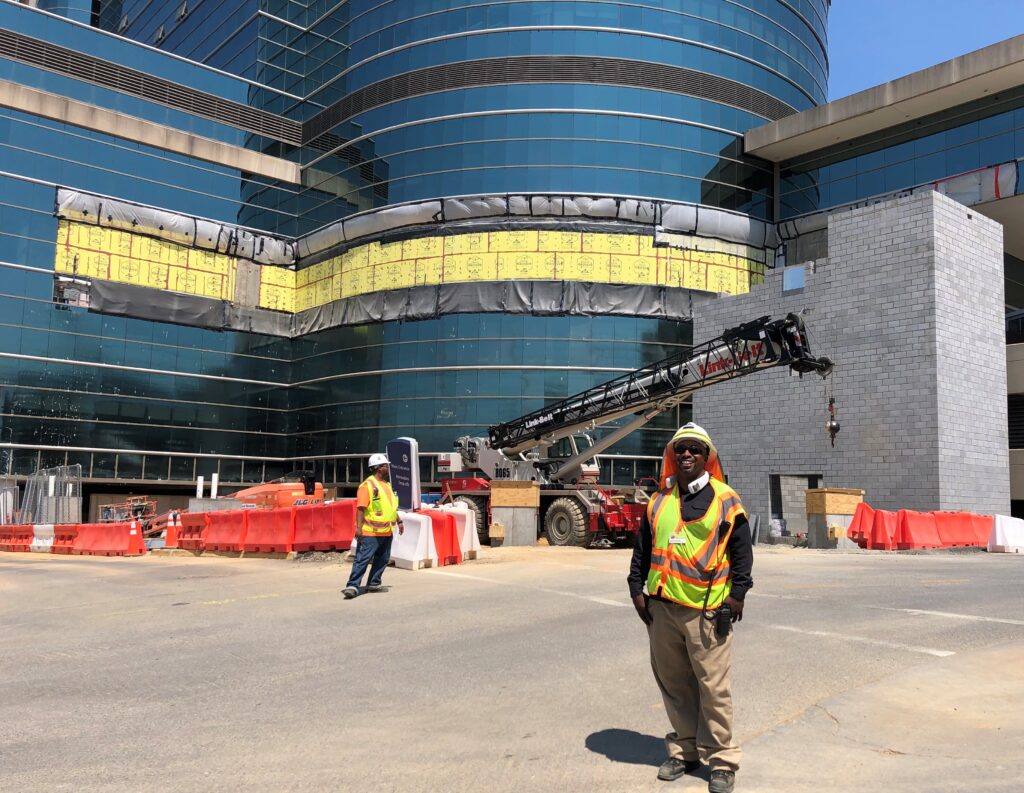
[974, 457]
[909, 304]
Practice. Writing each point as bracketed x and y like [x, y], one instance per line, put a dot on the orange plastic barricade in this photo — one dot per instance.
[191, 531]
[883, 527]
[109, 539]
[325, 528]
[225, 531]
[64, 538]
[957, 529]
[983, 526]
[465, 525]
[860, 526]
[916, 530]
[269, 530]
[446, 536]
[16, 538]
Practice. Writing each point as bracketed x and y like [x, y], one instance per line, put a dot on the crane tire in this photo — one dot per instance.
[478, 506]
[565, 522]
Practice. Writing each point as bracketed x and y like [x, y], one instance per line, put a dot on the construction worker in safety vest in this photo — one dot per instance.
[694, 555]
[376, 518]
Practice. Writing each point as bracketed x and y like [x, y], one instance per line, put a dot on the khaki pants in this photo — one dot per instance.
[691, 667]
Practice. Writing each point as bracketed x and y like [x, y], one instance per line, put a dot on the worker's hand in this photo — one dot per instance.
[359, 533]
[401, 527]
[737, 608]
[640, 604]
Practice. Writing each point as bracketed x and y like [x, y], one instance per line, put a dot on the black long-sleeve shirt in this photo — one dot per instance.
[694, 506]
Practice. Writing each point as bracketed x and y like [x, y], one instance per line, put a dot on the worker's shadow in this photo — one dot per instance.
[627, 746]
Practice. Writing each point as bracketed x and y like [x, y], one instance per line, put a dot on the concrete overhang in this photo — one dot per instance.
[1009, 212]
[970, 77]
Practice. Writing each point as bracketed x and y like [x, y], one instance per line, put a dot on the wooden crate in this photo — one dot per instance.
[833, 501]
[515, 494]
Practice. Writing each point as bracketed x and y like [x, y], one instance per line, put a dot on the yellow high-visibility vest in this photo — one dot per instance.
[382, 511]
[688, 556]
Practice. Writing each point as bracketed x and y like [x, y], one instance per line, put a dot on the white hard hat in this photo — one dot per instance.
[378, 460]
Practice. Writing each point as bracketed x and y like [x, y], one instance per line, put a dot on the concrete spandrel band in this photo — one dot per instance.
[701, 264]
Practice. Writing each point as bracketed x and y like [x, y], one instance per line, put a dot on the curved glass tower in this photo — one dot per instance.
[473, 207]
[463, 98]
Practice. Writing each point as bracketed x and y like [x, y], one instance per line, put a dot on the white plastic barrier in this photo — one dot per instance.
[414, 548]
[42, 541]
[1007, 535]
[465, 525]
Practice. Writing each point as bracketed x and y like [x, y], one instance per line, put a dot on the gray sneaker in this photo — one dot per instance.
[350, 592]
[376, 588]
[675, 767]
[722, 781]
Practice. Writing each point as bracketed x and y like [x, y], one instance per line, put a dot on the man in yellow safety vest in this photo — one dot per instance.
[694, 555]
[376, 517]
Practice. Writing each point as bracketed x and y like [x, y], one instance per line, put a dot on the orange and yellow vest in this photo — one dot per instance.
[382, 512]
[687, 556]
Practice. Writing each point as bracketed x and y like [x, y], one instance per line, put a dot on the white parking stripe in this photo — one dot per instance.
[950, 615]
[926, 612]
[913, 648]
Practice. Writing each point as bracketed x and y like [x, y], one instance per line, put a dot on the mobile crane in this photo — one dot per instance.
[550, 445]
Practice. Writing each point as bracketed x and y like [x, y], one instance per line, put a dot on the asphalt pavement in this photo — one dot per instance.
[526, 670]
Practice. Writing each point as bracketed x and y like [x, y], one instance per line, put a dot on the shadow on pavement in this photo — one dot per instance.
[627, 746]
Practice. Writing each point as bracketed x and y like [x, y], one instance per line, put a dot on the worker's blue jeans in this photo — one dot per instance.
[369, 547]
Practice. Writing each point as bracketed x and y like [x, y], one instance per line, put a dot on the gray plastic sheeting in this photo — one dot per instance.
[707, 222]
[540, 298]
[126, 300]
[174, 227]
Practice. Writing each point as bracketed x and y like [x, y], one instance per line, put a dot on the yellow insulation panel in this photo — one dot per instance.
[705, 265]
[114, 255]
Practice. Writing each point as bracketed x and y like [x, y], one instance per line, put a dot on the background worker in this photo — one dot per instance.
[376, 517]
[695, 557]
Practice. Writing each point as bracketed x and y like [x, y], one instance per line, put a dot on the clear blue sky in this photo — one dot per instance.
[874, 41]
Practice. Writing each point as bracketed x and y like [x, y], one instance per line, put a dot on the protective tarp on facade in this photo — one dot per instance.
[541, 298]
[175, 227]
[707, 222]
[127, 300]
[983, 185]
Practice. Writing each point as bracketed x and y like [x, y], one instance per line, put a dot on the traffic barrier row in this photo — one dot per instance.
[321, 527]
[433, 537]
[905, 530]
[85, 539]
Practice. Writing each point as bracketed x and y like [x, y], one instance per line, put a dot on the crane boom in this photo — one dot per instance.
[761, 344]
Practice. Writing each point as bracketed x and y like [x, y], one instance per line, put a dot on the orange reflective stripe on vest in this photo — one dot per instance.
[689, 556]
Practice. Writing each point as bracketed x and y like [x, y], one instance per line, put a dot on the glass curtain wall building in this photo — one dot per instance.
[544, 109]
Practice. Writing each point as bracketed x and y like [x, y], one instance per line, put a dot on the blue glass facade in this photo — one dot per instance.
[390, 102]
[587, 135]
[977, 135]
